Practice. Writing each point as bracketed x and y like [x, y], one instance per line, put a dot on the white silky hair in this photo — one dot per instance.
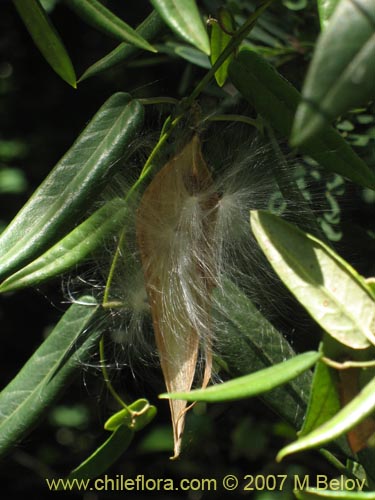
[206, 240]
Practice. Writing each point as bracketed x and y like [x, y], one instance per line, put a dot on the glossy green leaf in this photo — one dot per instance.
[276, 100]
[148, 30]
[326, 8]
[328, 287]
[249, 342]
[314, 493]
[72, 249]
[25, 400]
[72, 185]
[135, 416]
[220, 37]
[97, 15]
[104, 456]
[341, 75]
[183, 17]
[348, 417]
[46, 38]
[253, 384]
[324, 401]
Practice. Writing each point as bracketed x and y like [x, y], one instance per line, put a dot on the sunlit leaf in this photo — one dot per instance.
[25, 400]
[72, 185]
[341, 75]
[324, 401]
[276, 100]
[328, 287]
[101, 18]
[72, 249]
[220, 37]
[251, 385]
[354, 412]
[183, 17]
[46, 38]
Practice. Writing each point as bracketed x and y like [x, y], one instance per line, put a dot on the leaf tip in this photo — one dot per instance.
[308, 122]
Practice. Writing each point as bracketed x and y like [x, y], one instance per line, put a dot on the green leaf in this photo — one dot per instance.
[326, 8]
[327, 286]
[135, 416]
[219, 40]
[249, 342]
[72, 185]
[104, 456]
[49, 371]
[315, 493]
[148, 29]
[101, 18]
[348, 417]
[187, 52]
[324, 401]
[341, 76]
[183, 17]
[72, 249]
[253, 384]
[276, 100]
[46, 38]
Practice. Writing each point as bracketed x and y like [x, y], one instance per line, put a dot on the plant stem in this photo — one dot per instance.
[237, 38]
[106, 376]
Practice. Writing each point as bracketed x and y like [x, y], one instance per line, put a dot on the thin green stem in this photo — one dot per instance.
[106, 376]
[348, 364]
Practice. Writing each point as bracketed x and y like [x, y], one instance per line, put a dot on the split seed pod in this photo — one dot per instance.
[175, 224]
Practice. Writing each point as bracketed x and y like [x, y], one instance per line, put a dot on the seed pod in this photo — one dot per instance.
[175, 222]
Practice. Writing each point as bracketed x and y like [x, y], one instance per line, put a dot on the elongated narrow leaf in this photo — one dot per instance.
[48, 373]
[324, 401]
[341, 76]
[183, 17]
[72, 185]
[148, 29]
[72, 249]
[276, 100]
[101, 18]
[103, 457]
[330, 290]
[249, 342]
[46, 38]
[220, 37]
[354, 412]
[321, 493]
[253, 384]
